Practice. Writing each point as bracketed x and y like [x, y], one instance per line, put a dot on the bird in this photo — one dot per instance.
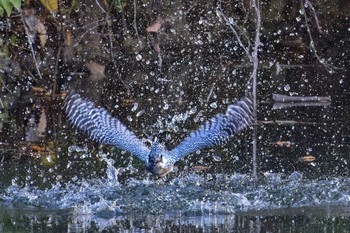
[102, 127]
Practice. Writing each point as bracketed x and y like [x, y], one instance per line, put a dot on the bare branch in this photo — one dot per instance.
[328, 67]
[30, 44]
[135, 23]
[230, 23]
[315, 15]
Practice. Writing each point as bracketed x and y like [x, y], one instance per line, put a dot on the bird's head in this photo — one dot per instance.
[157, 163]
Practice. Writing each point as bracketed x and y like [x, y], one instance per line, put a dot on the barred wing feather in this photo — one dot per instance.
[102, 127]
[217, 130]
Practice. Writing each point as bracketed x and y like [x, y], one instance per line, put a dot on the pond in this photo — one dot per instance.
[301, 183]
[164, 68]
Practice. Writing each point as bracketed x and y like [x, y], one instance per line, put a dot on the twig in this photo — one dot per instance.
[253, 57]
[2, 104]
[160, 60]
[328, 67]
[98, 4]
[54, 86]
[110, 37]
[211, 91]
[135, 23]
[315, 15]
[221, 14]
[86, 32]
[30, 44]
[253, 78]
[123, 18]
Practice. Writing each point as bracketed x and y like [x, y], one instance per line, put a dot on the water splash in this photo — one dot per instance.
[193, 193]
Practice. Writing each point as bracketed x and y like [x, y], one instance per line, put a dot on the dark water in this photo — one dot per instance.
[54, 179]
[302, 182]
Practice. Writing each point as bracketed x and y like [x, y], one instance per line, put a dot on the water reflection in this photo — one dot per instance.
[316, 219]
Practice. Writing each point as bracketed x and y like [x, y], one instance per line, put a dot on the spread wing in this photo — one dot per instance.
[217, 130]
[102, 127]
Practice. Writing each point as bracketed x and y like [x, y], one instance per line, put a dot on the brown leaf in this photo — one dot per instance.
[38, 90]
[157, 47]
[34, 27]
[68, 53]
[282, 143]
[200, 168]
[97, 71]
[127, 102]
[155, 27]
[38, 148]
[307, 158]
[41, 129]
[42, 33]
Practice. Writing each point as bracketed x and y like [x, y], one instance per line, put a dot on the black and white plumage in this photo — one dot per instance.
[102, 127]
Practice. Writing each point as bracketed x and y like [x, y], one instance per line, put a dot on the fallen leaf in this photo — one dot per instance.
[42, 33]
[157, 47]
[38, 148]
[41, 128]
[200, 168]
[97, 71]
[307, 158]
[282, 143]
[50, 5]
[127, 102]
[38, 89]
[155, 27]
[34, 27]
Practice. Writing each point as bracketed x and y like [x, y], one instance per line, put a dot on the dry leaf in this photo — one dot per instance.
[42, 33]
[38, 89]
[307, 158]
[282, 143]
[155, 27]
[41, 129]
[97, 71]
[68, 40]
[127, 102]
[34, 27]
[50, 5]
[157, 47]
[68, 53]
[200, 168]
[38, 148]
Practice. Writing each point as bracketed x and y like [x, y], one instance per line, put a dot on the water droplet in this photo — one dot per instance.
[217, 158]
[139, 113]
[49, 158]
[134, 108]
[193, 110]
[287, 87]
[138, 57]
[231, 21]
[213, 105]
